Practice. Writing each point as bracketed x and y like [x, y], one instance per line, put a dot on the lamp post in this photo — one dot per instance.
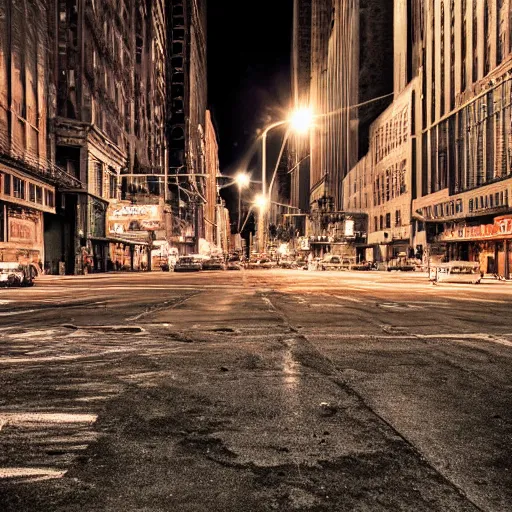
[299, 121]
[242, 179]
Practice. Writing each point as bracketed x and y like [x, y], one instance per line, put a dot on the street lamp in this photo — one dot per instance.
[242, 179]
[300, 121]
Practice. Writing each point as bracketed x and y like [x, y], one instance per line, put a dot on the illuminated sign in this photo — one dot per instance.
[349, 228]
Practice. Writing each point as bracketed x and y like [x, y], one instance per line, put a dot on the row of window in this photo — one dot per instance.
[390, 184]
[25, 190]
[391, 135]
[384, 221]
[494, 200]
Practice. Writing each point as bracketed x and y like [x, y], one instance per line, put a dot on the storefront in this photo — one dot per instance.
[490, 244]
[23, 201]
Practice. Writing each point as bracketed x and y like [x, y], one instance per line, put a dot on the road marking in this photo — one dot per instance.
[32, 473]
[29, 418]
[351, 299]
[12, 313]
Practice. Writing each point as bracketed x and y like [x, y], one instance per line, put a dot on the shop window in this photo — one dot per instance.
[18, 187]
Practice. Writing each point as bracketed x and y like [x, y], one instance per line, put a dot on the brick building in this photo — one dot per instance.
[29, 180]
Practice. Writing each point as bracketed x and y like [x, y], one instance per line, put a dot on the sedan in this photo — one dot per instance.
[188, 264]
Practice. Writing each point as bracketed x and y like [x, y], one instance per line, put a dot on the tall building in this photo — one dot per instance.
[107, 114]
[350, 84]
[186, 32]
[463, 202]
[211, 190]
[453, 143]
[299, 153]
[382, 183]
[29, 180]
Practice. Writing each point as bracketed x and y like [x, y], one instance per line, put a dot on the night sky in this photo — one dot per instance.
[249, 52]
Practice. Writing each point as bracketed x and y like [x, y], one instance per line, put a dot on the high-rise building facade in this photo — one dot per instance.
[465, 185]
[29, 179]
[350, 84]
[108, 113]
[453, 59]
[186, 72]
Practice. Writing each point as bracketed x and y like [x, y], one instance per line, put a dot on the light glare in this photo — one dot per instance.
[301, 120]
[242, 179]
[261, 202]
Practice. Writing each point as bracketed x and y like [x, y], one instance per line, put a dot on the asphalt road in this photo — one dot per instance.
[255, 391]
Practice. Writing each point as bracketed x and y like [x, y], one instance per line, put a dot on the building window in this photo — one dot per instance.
[442, 77]
[452, 54]
[487, 40]
[376, 224]
[112, 186]
[475, 42]
[381, 222]
[398, 218]
[18, 187]
[39, 195]
[463, 49]
[388, 220]
[7, 184]
[32, 192]
[98, 177]
[50, 198]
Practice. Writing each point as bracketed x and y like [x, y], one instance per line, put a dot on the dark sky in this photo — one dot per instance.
[249, 48]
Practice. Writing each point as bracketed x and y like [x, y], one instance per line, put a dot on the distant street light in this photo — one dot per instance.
[261, 202]
[243, 180]
[300, 121]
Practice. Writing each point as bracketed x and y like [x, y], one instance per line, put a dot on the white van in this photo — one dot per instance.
[455, 272]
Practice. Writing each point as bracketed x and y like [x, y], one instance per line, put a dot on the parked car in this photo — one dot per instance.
[456, 272]
[364, 265]
[402, 264]
[16, 274]
[333, 262]
[234, 264]
[214, 264]
[188, 264]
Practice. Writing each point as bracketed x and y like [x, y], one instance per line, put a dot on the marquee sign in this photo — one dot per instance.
[501, 227]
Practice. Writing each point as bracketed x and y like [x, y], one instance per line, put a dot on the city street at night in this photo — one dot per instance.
[255, 390]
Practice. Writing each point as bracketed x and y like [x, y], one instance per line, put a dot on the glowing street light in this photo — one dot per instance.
[242, 179]
[300, 121]
[261, 202]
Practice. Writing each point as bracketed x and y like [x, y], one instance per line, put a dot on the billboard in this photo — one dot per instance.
[134, 217]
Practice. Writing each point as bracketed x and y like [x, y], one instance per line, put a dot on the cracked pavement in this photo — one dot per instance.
[255, 391]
